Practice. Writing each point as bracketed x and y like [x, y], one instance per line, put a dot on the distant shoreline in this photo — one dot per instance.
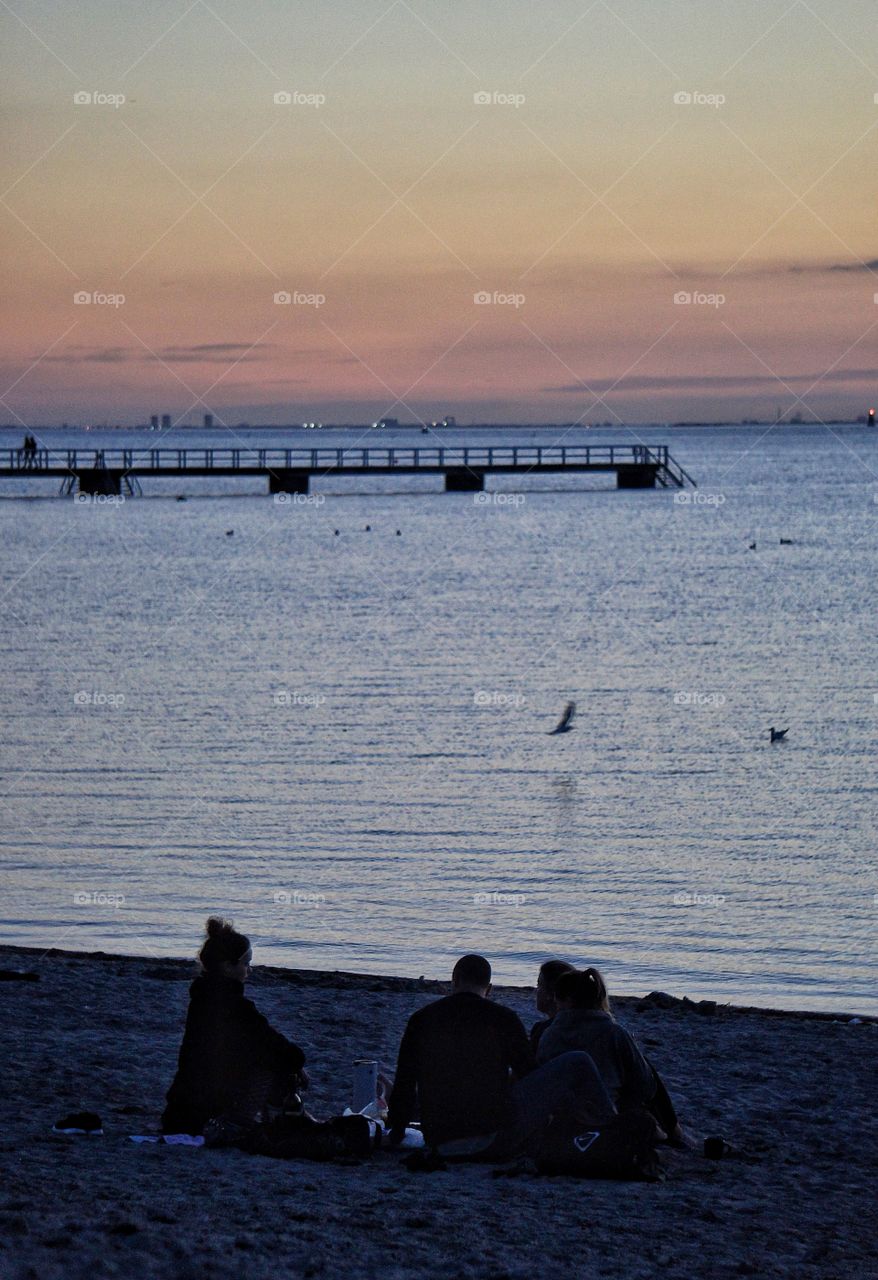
[695, 424]
[185, 969]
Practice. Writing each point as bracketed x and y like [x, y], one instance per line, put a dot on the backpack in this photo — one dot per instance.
[623, 1148]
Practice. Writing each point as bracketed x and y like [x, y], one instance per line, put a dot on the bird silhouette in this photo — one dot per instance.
[778, 735]
[565, 724]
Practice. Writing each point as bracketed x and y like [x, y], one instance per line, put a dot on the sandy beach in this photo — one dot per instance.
[793, 1093]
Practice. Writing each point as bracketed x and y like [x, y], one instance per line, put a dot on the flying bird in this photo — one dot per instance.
[565, 724]
[778, 735]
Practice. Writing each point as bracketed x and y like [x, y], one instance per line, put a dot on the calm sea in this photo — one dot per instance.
[332, 722]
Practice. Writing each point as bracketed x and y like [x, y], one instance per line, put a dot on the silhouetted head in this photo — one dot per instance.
[547, 981]
[582, 989]
[471, 973]
[225, 953]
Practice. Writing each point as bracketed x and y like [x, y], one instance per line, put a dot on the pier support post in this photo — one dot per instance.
[288, 480]
[464, 480]
[100, 480]
[636, 475]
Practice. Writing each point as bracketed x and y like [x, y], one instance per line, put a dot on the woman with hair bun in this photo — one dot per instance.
[232, 1063]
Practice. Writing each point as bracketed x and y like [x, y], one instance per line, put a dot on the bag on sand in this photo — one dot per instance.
[621, 1148]
[301, 1138]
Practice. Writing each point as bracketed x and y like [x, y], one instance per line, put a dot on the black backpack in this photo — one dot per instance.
[622, 1148]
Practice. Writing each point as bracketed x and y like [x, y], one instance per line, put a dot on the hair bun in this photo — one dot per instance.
[222, 945]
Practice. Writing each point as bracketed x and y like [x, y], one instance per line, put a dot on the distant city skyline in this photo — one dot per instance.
[630, 212]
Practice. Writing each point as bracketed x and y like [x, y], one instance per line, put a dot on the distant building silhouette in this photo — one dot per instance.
[166, 422]
[208, 420]
[154, 422]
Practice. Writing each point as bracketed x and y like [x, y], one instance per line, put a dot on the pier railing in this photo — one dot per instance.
[231, 460]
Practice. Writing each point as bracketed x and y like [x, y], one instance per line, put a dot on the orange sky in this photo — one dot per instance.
[581, 198]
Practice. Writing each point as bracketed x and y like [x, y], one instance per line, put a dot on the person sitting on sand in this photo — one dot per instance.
[467, 1064]
[583, 1021]
[232, 1063]
[547, 980]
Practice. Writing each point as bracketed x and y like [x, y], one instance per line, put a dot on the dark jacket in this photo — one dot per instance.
[455, 1062]
[225, 1041]
[629, 1078]
[536, 1033]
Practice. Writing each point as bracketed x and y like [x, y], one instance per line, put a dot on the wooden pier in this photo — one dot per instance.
[463, 468]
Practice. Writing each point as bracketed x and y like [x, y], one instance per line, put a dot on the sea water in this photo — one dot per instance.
[340, 735]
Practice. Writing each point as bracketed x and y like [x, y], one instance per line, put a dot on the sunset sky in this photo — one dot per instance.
[581, 198]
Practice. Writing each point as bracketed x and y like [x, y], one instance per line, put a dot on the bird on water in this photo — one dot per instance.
[565, 724]
[778, 735]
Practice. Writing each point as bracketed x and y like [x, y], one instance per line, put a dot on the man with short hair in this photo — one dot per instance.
[467, 1064]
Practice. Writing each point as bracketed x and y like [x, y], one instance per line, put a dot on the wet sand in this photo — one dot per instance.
[794, 1093]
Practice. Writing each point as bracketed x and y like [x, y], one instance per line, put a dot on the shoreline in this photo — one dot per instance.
[181, 968]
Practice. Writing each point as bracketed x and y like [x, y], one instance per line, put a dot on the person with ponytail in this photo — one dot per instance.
[232, 1063]
[583, 1021]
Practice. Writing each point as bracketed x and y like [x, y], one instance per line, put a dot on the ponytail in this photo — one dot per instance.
[583, 989]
